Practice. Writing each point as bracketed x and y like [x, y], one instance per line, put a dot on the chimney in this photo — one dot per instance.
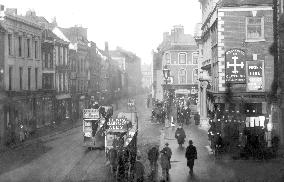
[106, 46]
[165, 36]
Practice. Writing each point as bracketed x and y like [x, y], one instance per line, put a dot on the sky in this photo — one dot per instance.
[135, 25]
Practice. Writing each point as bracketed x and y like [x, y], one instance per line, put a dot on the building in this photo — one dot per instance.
[130, 66]
[178, 52]
[234, 48]
[277, 50]
[79, 64]
[146, 70]
[21, 67]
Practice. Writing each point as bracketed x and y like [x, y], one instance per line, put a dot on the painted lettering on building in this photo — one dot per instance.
[235, 69]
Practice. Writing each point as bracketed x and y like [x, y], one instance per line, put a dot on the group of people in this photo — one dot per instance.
[183, 114]
[166, 154]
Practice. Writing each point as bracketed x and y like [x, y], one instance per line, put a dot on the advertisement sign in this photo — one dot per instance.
[235, 70]
[117, 124]
[255, 76]
[91, 114]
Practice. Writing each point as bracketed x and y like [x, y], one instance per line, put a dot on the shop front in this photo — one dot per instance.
[63, 107]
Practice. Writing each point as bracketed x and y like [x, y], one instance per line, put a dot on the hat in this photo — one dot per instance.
[167, 144]
[190, 142]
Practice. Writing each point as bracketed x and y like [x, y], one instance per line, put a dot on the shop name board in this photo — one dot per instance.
[255, 75]
[235, 70]
[91, 114]
[116, 124]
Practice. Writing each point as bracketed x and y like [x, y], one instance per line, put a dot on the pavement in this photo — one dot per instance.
[210, 169]
[46, 132]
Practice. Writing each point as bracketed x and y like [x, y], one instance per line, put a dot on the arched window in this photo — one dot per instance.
[168, 58]
[182, 76]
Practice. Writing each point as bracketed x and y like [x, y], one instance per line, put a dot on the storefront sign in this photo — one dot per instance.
[91, 114]
[116, 124]
[255, 76]
[235, 70]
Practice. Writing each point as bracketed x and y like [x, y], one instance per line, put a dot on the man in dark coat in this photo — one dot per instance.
[153, 155]
[180, 135]
[190, 155]
[139, 170]
[168, 152]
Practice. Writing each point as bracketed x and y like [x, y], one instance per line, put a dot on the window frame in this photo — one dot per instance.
[179, 80]
[193, 75]
[192, 55]
[185, 61]
[262, 30]
[169, 60]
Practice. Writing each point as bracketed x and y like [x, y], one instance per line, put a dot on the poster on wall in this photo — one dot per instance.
[255, 76]
[235, 70]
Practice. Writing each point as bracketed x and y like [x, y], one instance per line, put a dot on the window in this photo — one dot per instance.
[29, 78]
[49, 65]
[60, 82]
[10, 44]
[66, 56]
[168, 58]
[21, 77]
[182, 58]
[182, 76]
[28, 48]
[63, 83]
[36, 77]
[36, 49]
[20, 46]
[195, 58]
[10, 77]
[255, 28]
[44, 60]
[195, 75]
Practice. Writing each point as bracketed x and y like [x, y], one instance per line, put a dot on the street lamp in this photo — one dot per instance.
[166, 73]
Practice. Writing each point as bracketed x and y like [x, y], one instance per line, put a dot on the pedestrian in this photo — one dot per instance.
[165, 165]
[190, 155]
[186, 114]
[139, 170]
[168, 152]
[153, 155]
[180, 135]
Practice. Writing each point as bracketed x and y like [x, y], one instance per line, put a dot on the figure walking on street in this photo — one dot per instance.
[139, 170]
[153, 155]
[167, 150]
[180, 135]
[165, 165]
[190, 155]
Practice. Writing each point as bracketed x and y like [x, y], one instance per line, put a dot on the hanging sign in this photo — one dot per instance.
[235, 70]
[117, 124]
[255, 76]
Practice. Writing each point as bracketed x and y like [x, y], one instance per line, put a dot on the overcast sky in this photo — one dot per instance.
[135, 25]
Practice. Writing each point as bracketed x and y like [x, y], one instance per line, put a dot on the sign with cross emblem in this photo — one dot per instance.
[235, 67]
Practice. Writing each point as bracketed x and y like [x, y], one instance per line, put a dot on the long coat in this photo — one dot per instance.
[190, 155]
[180, 135]
[165, 163]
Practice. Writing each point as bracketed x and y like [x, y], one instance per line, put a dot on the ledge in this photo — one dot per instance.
[258, 40]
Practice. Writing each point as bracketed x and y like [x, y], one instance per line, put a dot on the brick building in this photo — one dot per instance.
[179, 52]
[234, 45]
[21, 67]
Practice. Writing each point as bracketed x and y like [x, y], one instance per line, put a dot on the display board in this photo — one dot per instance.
[235, 70]
[91, 114]
[255, 75]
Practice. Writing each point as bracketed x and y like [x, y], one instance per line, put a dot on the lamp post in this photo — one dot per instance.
[166, 73]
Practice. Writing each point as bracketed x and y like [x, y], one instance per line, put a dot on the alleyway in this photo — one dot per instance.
[207, 169]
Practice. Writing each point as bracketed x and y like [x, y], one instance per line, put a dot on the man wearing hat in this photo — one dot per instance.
[190, 155]
[167, 150]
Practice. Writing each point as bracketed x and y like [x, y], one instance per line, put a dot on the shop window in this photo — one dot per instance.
[182, 58]
[254, 28]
